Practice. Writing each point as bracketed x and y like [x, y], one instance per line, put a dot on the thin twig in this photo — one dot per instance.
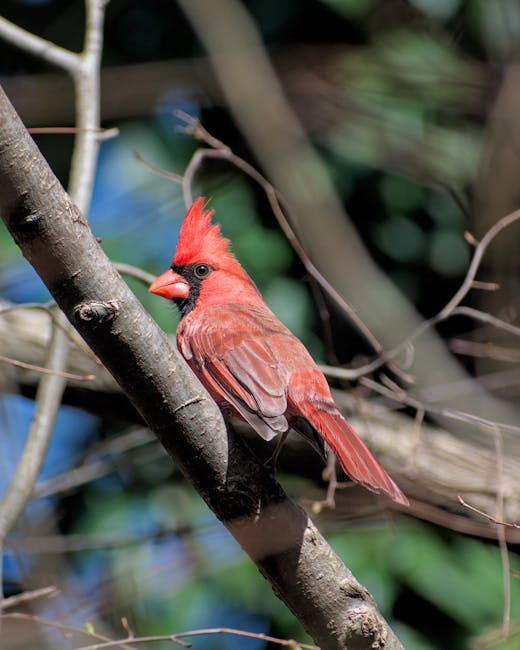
[131, 639]
[250, 635]
[67, 629]
[134, 272]
[177, 638]
[504, 554]
[485, 286]
[481, 248]
[126, 625]
[484, 317]
[404, 397]
[501, 525]
[480, 350]
[97, 463]
[28, 305]
[47, 307]
[158, 170]
[103, 134]
[58, 130]
[329, 474]
[46, 371]
[26, 596]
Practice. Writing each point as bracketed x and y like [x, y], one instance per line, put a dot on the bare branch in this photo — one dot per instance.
[26, 596]
[132, 640]
[48, 309]
[84, 69]
[158, 170]
[67, 629]
[501, 535]
[134, 272]
[404, 397]
[485, 350]
[177, 638]
[46, 371]
[484, 317]
[96, 464]
[38, 46]
[475, 263]
[494, 520]
[24, 478]
[86, 82]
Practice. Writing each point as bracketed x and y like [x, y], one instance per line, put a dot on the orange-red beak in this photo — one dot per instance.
[170, 285]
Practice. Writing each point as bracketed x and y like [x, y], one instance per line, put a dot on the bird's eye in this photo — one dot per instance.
[202, 270]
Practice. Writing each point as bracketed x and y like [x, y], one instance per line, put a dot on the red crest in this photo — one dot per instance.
[199, 239]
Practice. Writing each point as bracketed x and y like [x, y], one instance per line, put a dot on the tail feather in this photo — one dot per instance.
[355, 457]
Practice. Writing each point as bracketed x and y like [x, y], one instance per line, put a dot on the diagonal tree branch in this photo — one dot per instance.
[288, 549]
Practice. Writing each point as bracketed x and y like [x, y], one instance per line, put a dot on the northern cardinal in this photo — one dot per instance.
[249, 362]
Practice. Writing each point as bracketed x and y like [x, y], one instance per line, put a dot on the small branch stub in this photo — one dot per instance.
[363, 623]
[97, 311]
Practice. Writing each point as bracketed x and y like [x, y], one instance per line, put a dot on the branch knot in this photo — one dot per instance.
[97, 311]
[363, 622]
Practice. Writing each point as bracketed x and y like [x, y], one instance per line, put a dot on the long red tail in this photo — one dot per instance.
[355, 457]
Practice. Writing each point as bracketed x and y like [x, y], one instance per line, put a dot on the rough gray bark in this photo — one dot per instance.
[289, 551]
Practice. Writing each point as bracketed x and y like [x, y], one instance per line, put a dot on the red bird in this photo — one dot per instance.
[249, 362]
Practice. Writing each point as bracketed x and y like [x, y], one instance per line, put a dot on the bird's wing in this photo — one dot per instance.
[232, 355]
